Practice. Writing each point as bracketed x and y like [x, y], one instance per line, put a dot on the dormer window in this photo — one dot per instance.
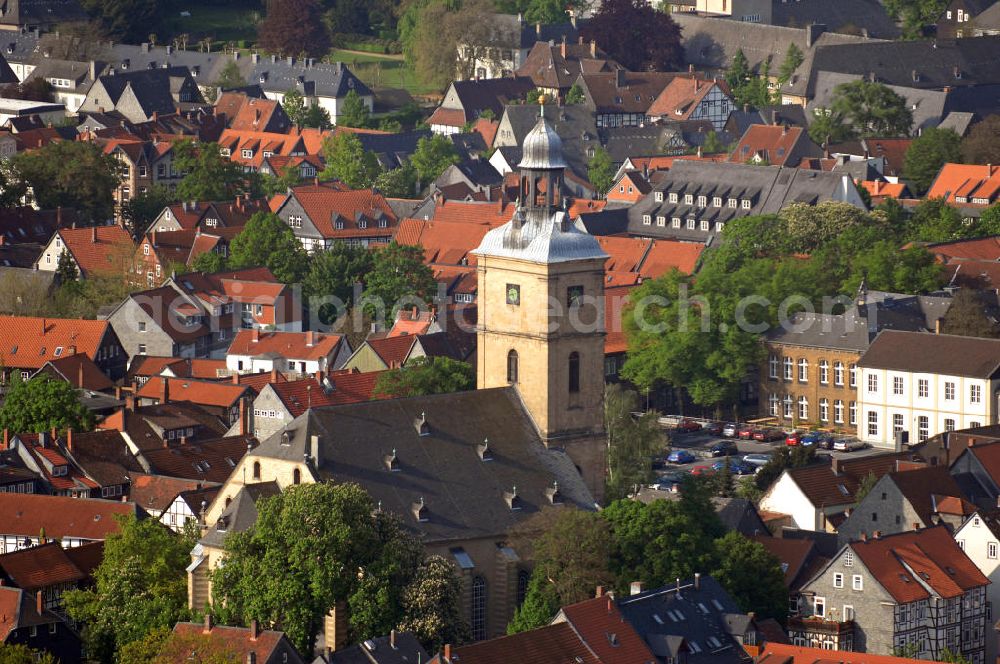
[339, 224]
[514, 501]
[702, 201]
[675, 222]
[673, 197]
[421, 426]
[688, 199]
[745, 203]
[717, 201]
[647, 220]
[362, 223]
[392, 462]
[484, 451]
[731, 203]
[420, 512]
[246, 153]
[658, 196]
[691, 224]
[553, 494]
[661, 221]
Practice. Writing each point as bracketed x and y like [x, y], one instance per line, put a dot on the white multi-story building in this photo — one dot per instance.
[915, 385]
[979, 537]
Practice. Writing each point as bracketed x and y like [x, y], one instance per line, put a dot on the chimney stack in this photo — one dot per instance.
[244, 425]
[392, 639]
[697, 580]
[6, 444]
[635, 588]
[562, 49]
[447, 652]
[253, 630]
[310, 339]
[255, 335]
[208, 623]
[79, 376]
[593, 48]
[93, 234]
[40, 602]
[166, 389]
[69, 439]
[600, 589]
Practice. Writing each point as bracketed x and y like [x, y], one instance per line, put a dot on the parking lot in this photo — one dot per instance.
[699, 443]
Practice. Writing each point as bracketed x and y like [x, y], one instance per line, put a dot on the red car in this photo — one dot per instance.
[746, 433]
[714, 428]
[794, 438]
[702, 470]
[764, 435]
[688, 426]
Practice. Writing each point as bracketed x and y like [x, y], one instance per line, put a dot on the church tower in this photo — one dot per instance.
[541, 311]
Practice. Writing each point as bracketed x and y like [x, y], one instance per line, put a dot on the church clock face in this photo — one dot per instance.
[513, 294]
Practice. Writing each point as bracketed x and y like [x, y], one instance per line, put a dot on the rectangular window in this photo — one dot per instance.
[923, 428]
[691, 224]
[838, 374]
[716, 201]
[824, 372]
[658, 196]
[991, 550]
[142, 349]
[788, 368]
[852, 413]
[975, 394]
[838, 411]
[661, 220]
[857, 582]
[745, 203]
[923, 388]
[949, 424]
[573, 295]
[705, 225]
[772, 366]
[824, 410]
[819, 606]
[897, 423]
[853, 372]
[673, 197]
[872, 423]
[949, 391]
[688, 199]
[838, 580]
[897, 384]
[702, 201]
[872, 383]
[647, 220]
[731, 203]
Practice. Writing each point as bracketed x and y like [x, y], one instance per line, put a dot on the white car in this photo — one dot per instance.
[848, 445]
[730, 430]
[757, 459]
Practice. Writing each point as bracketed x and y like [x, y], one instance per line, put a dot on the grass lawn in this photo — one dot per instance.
[222, 24]
[378, 71]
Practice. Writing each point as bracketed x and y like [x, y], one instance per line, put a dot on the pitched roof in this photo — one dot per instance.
[95, 249]
[931, 491]
[552, 643]
[294, 345]
[79, 371]
[476, 96]
[827, 485]
[792, 553]
[464, 496]
[146, 425]
[559, 65]
[60, 516]
[209, 460]
[680, 98]
[392, 350]
[930, 554]
[921, 352]
[595, 621]
[773, 144]
[237, 640]
[326, 205]
[841, 16]
[780, 653]
[967, 184]
[201, 392]
[18, 609]
[447, 242]
[335, 389]
[625, 92]
[399, 648]
[156, 492]
[30, 342]
[50, 565]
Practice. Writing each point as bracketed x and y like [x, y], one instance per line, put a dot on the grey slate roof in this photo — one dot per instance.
[378, 651]
[307, 76]
[521, 34]
[927, 106]
[652, 140]
[856, 328]
[958, 121]
[393, 150]
[575, 125]
[464, 496]
[841, 15]
[920, 352]
[704, 616]
[768, 188]
[740, 515]
[476, 96]
[241, 513]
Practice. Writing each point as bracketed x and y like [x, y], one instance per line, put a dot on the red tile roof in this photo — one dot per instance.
[234, 640]
[325, 204]
[392, 350]
[30, 342]
[25, 515]
[664, 255]
[826, 485]
[773, 144]
[97, 249]
[779, 653]
[294, 345]
[348, 387]
[201, 392]
[79, 371]
[975, 184]
[931, 554]
[443, 241]
[449, 117]
[792, 553]
[209, 461]
[883, 190]
[682, 95]
[491, 213]
[17, 609]
[487, 129]
[595, 619]
[49, 565]
[554, 643]
[156, 492]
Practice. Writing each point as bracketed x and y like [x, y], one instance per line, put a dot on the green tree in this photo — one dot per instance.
[197, 647]
[208, 175]
[294, 105]
[230, 77]
[145, 649]
[398, 182]
[354, 113]
[427, 375]
[982, 144]
[317, 117]
[872, 109]
[267, 241]
[953, 657]
[563, 574]
[713, 144]
[347, 161]
[751, 575]
[575, 95]
[664, 540]
[43, 403]
[273, 185]
[632, 442]
[601, 171]
[209, 263]
[398, 274]
[71, 174]
[66, 272]
[126, 20]
[432, 156]
[828, 127]
[926, 155]
[967, 316]
[301, 557]
[989, 220]
[139, 211]
[915, 14]
[793, 58]
[432, 605]
[867, 483]
[12, 653]
[933, 220]
[292, 27]
[139, 586]
[545, 12]
[781, 459]
[333, 273]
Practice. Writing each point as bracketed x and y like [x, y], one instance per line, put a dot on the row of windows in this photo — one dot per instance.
[923, 388]
[702, 201]
[788, 371]
[691, 225]
[787, 408]
[857, 581]
[898, 424]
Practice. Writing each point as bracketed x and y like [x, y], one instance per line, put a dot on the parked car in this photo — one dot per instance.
[699, 471]
[757, 460]
[681, 456]
[667, 481]
[826, 442]
[723, 448]
[688, 426]
[746, 432]
[735, 467]
[794, 438]
[765, 435]
[849, 445]
[714, 428]
[810, 438]
[730, 430]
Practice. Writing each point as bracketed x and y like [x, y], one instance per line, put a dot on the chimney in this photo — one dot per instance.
[562, 49]
[244, 425]
[58, 216]
[183, 441]
[310, 339]
[236, 378]
[274, 375]
[593, 48]
[864, 536]
[166, 389]
[130, 403]
[93, 71]
[208, 623]
[600, 589]
[93, 234]
[619, 78]
[691, 71]
[69, 439]
[538, 30]
[79, 376]
[255, 335]
[937, 326]
[392, 639]
[40, 602]
[697, 580]
[43, 327]
[447, 652]
[635, 588]
[916, 525]
[253, 630]
[6, 444]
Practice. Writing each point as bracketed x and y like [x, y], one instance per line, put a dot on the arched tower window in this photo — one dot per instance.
[478, 618]
[512, 366]
[574, 372]
[256, 470]
[296, 476]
